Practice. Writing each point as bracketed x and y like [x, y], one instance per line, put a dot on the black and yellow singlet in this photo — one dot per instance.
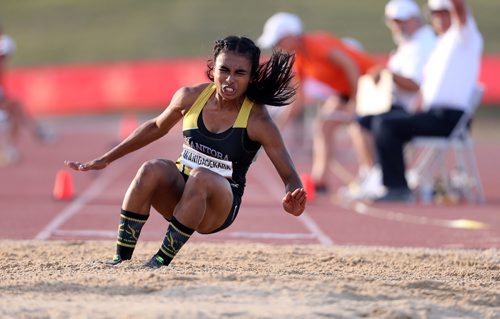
[228, 153]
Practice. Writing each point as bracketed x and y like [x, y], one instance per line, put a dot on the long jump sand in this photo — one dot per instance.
[63, 280]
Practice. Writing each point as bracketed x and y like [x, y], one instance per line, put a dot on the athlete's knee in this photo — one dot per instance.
[154, 170]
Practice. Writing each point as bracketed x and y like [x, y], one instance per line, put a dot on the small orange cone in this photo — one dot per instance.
[63, 186]
[127, 126]
[308, 184]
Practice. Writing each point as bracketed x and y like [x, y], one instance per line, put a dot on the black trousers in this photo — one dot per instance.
[366, 121]
[391, 133]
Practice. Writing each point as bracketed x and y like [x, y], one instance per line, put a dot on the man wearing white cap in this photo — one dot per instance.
[450, 78]
[415, 41]
[328, 70]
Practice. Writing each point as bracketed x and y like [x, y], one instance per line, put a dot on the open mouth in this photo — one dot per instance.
[227, 90]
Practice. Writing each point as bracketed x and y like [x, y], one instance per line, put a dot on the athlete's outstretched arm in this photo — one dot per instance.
[262, 129]
[146, 133]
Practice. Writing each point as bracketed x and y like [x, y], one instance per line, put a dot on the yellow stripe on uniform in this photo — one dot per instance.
[242, 119]
[182, 168]
[190, 120]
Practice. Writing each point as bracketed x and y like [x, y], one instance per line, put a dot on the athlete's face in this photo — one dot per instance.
[232, 73]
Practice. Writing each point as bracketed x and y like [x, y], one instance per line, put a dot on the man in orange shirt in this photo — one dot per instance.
[328, 70]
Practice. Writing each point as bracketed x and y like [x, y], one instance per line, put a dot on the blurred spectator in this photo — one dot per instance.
[328, 70]
[415, 41]
[12, 114]
[450, 78]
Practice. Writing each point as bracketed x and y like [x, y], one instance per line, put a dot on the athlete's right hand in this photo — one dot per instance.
[96, 164]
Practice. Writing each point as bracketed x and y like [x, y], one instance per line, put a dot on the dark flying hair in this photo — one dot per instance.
[269, 81]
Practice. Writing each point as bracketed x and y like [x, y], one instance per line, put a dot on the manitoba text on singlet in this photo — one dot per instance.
[193, 158]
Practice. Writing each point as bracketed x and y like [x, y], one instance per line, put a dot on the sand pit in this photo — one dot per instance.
[63, 280]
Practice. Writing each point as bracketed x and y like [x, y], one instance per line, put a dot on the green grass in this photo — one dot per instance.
[83, 31]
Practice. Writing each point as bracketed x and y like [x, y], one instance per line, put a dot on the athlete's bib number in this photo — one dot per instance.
[193, 158]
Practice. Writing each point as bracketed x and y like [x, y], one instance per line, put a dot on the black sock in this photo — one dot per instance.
[128, 233]
[176, 236]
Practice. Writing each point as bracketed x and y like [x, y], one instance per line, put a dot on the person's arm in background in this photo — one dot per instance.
[405, 83]
[459, 11]
[351, 70]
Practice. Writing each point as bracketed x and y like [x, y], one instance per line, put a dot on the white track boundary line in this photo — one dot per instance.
[86, 233]
[395, 216]
[241, 234]
[273, 188]
[284, 236]
[94, 190]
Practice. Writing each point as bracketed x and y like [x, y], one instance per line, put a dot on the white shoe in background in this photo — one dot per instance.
[365, 187]
[412, 179]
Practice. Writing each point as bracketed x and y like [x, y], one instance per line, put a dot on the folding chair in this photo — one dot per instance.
[433, 156]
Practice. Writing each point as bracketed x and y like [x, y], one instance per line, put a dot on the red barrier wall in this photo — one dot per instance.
[144, 84]
[103, 87]
[490, 73]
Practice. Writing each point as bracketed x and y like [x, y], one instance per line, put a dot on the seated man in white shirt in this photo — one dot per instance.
[415, 41]
[450, 77]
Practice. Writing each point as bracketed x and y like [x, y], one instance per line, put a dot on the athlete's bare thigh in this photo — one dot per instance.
[206, 202]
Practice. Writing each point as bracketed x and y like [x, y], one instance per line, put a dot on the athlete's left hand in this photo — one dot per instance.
[295, 202]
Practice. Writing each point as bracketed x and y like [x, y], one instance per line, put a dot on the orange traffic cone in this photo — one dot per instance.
[308, 184]
[63, 186]
[127, 126]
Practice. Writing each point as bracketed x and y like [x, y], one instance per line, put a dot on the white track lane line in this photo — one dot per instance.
[86, 233]
[274, 189]
[241, 234]
[94, 190]
[391, 215]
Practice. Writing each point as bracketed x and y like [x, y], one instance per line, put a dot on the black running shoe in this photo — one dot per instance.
[397, 195]
[115, 261]
[155, 262]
